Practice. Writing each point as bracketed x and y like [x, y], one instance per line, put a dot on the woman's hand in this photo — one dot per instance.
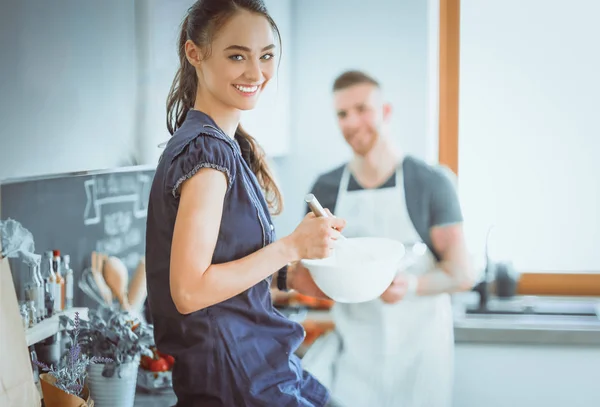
[314, 237]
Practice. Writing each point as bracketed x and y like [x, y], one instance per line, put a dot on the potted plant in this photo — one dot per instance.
[122, 338]
[64, 386]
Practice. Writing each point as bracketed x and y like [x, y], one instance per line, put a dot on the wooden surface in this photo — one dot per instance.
[449, 55]
[568, 284]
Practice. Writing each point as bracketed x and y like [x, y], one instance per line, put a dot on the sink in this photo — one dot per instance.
[537, 307]
[532, 311]
[513, 322]
[520, 315]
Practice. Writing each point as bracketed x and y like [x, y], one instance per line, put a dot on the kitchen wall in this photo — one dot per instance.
[75, 74]
[388, 39]
[84, 85]
[529, 133]
[67, 86]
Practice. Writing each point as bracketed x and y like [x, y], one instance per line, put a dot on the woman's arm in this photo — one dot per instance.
[195, 282]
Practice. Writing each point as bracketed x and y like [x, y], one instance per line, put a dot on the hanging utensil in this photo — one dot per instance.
[87, 284]
[137, 288]
[96, 272]
[117, 278]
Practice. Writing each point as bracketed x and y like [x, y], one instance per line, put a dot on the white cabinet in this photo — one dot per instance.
[526, 376]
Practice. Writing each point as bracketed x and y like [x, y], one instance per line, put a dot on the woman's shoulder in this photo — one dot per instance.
[195, 147]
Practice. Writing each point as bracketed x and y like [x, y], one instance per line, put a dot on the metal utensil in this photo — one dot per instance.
[88, 285]
[317, 209]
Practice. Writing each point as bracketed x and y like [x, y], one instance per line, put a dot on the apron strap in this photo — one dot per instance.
[344, 183]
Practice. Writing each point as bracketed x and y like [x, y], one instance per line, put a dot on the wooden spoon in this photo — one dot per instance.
[117, 277]
[103, 289]
[137, 287]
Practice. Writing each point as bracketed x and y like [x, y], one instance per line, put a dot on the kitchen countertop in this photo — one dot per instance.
[527, 329]
[145, 399]
[528, 320]
[519, 328]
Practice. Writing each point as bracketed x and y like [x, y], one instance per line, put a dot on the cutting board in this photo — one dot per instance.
[17, 388]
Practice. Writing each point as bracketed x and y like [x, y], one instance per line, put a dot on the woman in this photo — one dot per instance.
[211, 247]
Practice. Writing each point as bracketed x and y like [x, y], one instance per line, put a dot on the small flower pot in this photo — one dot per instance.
[55, 397]
[113, 391]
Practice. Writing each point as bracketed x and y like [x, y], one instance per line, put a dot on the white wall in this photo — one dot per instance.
[271, 122]
[67, 86]
[84, 84]
[62, 113]
[158, 28]
[529, 130]
[388, 39]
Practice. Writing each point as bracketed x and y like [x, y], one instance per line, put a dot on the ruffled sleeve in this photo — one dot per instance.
[203, 151]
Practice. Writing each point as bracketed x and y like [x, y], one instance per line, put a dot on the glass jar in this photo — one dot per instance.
[31, 313]
[24, 315]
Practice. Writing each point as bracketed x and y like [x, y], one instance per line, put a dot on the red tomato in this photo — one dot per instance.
[170, 360]
[159, 365]
[145, 362]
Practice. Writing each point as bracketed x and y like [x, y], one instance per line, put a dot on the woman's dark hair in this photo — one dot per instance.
[203, 21]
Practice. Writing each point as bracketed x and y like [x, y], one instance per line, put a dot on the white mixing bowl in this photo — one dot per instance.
[359, 270]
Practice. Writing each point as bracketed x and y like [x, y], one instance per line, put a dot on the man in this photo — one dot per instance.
[398, 349]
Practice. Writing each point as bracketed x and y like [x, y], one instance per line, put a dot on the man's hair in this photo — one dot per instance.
[351, 78]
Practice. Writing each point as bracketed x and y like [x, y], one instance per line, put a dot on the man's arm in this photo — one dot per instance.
[454, 271]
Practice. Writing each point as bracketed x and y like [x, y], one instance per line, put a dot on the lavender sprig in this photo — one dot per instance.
[71, 375]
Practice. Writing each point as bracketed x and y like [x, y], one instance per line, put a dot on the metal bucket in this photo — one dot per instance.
[113, 391]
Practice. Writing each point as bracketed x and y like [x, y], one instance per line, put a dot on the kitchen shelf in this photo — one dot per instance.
[50, 326]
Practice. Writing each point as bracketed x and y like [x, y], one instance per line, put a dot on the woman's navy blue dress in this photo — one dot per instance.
[239, 352]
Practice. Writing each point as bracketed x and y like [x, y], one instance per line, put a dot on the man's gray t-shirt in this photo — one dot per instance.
[430, 195]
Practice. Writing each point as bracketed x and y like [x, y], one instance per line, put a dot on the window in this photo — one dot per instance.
[524, 102]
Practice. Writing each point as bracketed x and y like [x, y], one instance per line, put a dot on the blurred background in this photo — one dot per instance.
[504, 93]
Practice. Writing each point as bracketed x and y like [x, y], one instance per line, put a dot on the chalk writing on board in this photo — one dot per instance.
[102, 190]
[115, 245]
[117, 222]
[132, 260]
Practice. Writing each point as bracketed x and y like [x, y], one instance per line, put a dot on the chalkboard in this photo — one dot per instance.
[79, 213]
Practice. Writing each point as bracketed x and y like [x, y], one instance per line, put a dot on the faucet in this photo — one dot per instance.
[482, 288]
